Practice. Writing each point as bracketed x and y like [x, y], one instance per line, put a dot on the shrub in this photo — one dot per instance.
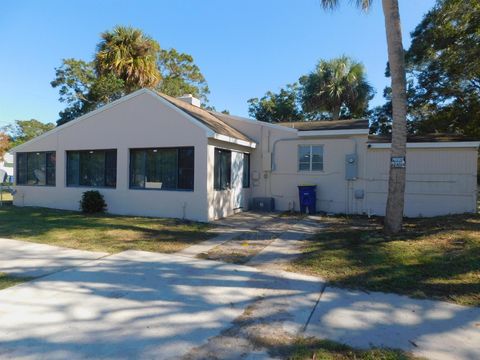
[92, 202]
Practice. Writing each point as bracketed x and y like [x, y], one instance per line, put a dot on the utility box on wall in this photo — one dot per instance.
[351, 167]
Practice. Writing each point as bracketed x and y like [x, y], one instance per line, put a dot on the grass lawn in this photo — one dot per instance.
[106, 233]
[7, 281]
[436, 258]
[310, 348]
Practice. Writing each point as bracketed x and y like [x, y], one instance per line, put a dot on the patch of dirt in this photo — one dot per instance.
[258, 329]
[242, 248]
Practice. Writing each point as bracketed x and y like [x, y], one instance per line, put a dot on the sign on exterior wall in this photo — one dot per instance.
[397, 162]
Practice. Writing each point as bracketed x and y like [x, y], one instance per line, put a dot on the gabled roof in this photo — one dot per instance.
[316, 125]
[218, 128]
[207, 118]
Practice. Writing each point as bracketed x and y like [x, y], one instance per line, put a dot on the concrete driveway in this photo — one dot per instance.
[139, 305]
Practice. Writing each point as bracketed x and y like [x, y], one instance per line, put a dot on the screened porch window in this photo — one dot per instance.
[222, 169]
[246, 171]
[310, 157]
[162, 168]
[92, 168]
[36, 168]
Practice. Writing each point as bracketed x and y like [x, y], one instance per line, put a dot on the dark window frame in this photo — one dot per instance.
[106, 169]
[222, 178]
[179, 169]
[50, 171]
[246, 173]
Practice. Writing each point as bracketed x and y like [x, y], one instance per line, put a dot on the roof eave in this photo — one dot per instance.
[310, 133]
[420, 145]
[232, 140]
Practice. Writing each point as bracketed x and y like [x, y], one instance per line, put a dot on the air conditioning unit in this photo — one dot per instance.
[263, 204]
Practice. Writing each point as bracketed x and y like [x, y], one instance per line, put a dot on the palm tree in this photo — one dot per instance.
[396, 180]
[335, 86]
[130, 55]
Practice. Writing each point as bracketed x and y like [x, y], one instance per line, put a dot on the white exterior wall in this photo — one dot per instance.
[334, 193]
[439, 181]
[138, 122]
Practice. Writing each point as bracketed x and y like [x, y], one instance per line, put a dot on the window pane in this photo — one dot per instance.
[36, 168]
[317, 153]
[51, 161]
[246, 170]
[222, 169]
[185, 168]
[92, 168]
[304, 158]
[304, 167]
[152, 165]
[111, 168]
[317, 158]
[317, 166]
[169, 168]
[21, 168]
[137, 168]
[73, 168]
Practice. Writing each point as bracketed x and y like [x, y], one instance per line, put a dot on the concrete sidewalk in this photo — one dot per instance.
[431, 329]
[21, 258]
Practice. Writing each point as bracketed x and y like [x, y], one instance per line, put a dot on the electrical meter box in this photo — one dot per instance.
[351, 167]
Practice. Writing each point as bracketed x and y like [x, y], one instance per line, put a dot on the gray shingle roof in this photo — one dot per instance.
[327, 125]
[380, 139]
[206, 118]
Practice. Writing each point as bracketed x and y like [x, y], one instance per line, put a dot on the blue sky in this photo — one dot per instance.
[244, 48]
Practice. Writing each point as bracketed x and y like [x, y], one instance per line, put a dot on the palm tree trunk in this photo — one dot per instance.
[396, 58]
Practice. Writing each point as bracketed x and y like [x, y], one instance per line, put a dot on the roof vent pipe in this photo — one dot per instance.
[190, 99]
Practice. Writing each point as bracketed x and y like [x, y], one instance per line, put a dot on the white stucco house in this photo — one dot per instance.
[153, 155]
[6, 167]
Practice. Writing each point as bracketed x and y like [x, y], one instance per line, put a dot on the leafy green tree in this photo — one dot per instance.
[281, 107]
[396, 59]
[126, 60]
[338, 88]
[5, 144]
[82, 90]
[25, 130]
[130, 55]
[444, 60]
[180, 75]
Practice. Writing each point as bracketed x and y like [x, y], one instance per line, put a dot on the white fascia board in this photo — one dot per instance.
[81, 118]
[333, 132]
[425, 145]
[234, 140]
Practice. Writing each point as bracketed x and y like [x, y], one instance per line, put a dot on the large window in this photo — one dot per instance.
[222, 169]
[162, 168]
[36, 168]
[246, 171]
[310, 157]
[92, 168]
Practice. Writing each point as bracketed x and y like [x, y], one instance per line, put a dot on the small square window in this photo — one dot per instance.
[310, 158]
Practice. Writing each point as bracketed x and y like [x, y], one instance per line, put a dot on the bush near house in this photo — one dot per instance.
[93, 202]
